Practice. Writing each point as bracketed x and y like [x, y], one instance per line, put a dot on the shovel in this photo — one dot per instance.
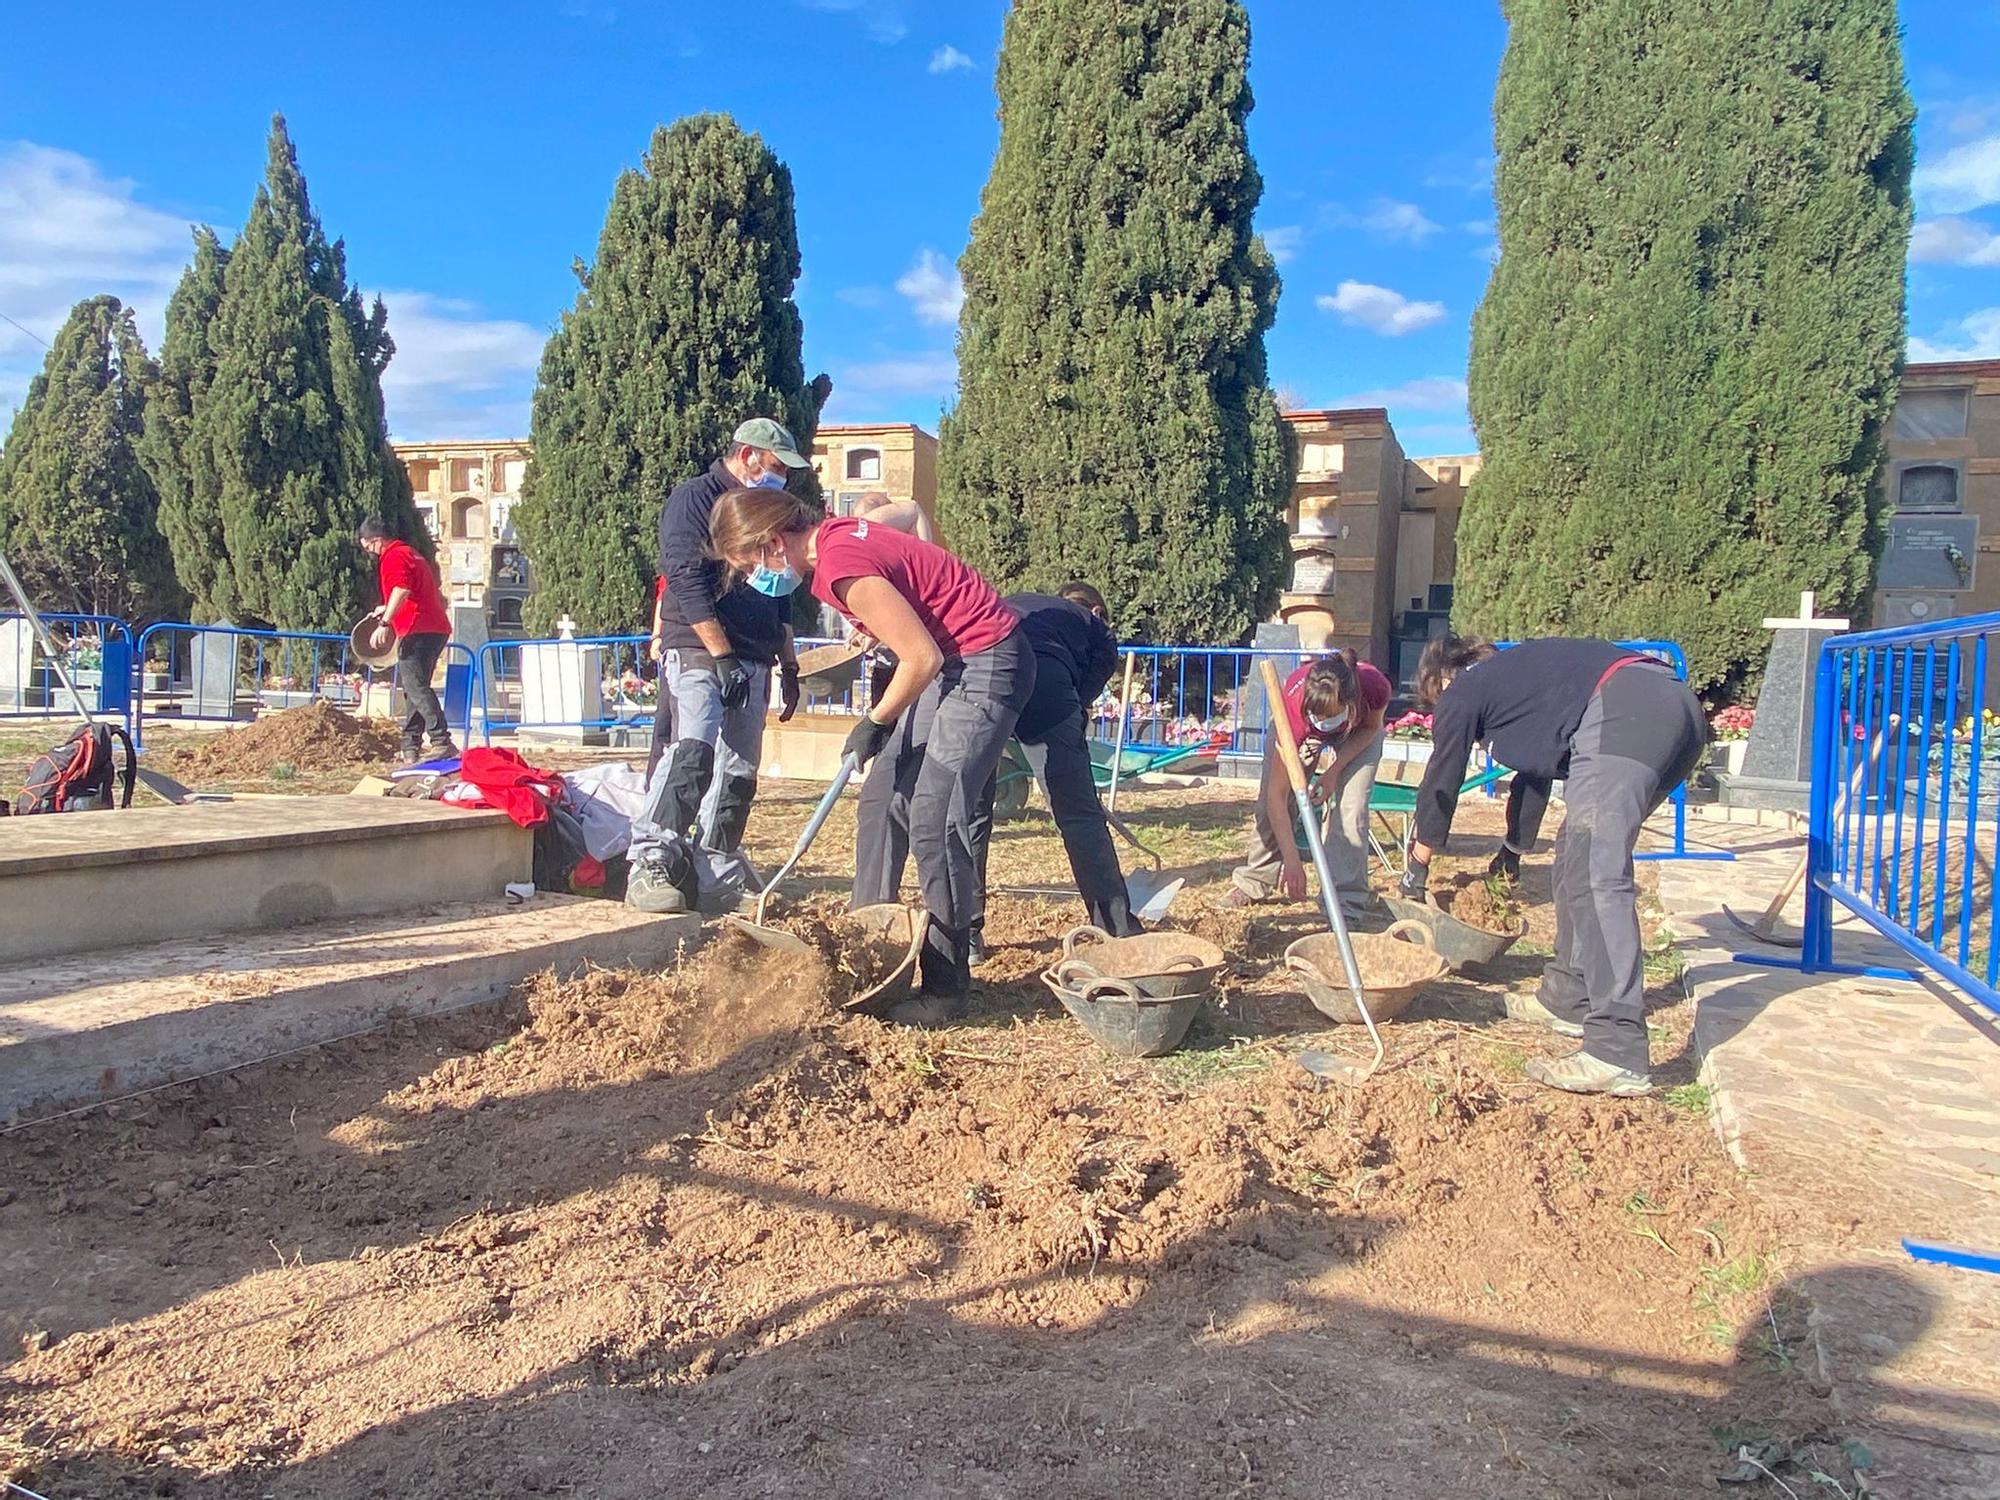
[772, 937]
[1320, 1064]
[1765, 928]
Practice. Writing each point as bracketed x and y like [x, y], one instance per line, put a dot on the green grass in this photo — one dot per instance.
[1692, 1097]
[1202, 1067]
[1665, 963]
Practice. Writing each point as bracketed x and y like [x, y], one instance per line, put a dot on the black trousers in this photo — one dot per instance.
[416, 662]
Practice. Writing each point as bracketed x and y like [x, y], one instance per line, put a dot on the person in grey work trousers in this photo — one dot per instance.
[717, 642]
[1620, 731]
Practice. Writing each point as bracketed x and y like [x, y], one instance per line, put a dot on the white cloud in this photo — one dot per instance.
[456, 374]
[1484, 228]
[1283, 242]
[1974, 336]
[1468, 174]
[883, 22]
[68, 232]
[1426, 393]
[934, 288]
[947, 59]
[864, 389]
[1954, 242]
[1398, 221]
[861, 296]
[1966, 176]
[1379, 310]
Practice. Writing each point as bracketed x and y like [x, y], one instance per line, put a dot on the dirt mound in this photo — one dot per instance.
[315, 737]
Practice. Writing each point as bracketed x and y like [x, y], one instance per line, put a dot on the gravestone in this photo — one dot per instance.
[213, 690]
[562, 688]
[17, 664]
[1935, 553]
[1777, 766]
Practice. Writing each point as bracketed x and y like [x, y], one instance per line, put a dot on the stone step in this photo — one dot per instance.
[94, 1026]
[75, 882]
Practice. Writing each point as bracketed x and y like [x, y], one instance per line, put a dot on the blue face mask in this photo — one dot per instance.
[776, 582]
[768, 482]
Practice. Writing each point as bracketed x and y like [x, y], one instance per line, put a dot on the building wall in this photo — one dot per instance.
[898, 458]
[466, 493]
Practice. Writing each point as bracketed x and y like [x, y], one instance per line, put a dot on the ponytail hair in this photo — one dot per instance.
[744, 521]
[1444, 657]
[1333, 683]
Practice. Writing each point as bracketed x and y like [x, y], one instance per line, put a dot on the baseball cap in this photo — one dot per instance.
[762, 432]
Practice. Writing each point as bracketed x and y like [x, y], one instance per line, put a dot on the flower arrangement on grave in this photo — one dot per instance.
[1732, 723]
[84, 653]
[1411, 726]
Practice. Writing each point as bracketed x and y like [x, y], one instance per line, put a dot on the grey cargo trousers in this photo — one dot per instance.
[1639, 738]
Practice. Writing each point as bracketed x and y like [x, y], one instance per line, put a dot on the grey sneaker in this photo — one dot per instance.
[1525, 1005]
[1580, 1073]
[652, 887]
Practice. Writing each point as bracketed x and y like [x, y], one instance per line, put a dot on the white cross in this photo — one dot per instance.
[1806, 620]
[566, 627]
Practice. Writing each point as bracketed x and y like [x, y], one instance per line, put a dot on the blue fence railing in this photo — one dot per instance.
[97, 652]
[1905, 798]
[209, 673]
[588, 683]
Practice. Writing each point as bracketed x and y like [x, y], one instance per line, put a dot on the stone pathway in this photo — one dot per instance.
[1866, 1111]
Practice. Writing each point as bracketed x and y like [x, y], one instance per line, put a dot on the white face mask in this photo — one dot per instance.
[1333, 725]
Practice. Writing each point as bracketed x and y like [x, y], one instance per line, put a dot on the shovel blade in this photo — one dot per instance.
[1756, 930]
[775, 939]
[1150, 893]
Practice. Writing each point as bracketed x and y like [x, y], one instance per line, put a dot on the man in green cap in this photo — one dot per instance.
[717, 649]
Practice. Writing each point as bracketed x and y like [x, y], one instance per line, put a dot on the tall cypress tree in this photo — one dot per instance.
[685, 327]
[292, 419]
[78, 515]
[1114, 420]
[1694, 334]
[182, 472]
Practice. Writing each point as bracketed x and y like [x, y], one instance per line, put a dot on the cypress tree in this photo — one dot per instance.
[78, 514]
[1114, 420]
[190, 510]
[292, 420]
[1694, 334]
[684, 327]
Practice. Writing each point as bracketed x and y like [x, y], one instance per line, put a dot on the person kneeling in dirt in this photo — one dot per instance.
[1621, 732]
[1075, 655]
[413, 604]
[1336, 704]
[962, 664]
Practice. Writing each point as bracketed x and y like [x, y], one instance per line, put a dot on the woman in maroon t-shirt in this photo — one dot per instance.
[1336, 705]
[963, 672]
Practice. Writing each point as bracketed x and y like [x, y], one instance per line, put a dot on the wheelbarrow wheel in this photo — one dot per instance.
[1010, 796]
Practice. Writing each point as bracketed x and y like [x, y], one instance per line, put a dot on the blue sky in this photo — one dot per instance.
[466, 154]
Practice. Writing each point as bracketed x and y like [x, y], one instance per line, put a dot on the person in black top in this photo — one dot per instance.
[1621, 732]
[1075, 655]
[716, 645]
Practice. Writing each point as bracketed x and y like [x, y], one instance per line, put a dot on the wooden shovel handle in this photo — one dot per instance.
[1288, 745]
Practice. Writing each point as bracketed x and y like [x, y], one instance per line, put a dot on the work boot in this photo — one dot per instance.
[442, 749]
[1580, 1073]
[662, 881]
[1236, 897]
[1525, 1005]
[928, 1010]
[975, 949]
[411, 753]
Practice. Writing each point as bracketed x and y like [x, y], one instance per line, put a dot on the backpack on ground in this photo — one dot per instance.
[77, 776]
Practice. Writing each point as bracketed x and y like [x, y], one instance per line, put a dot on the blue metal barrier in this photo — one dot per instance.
[272, 669]
[1903, 803]
[36, 692]
[627, 687]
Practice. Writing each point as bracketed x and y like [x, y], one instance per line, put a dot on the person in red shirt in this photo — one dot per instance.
[964, 671]
[1336, 704]
[413, 604]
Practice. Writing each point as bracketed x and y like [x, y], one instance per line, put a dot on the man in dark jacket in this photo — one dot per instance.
[717, 647]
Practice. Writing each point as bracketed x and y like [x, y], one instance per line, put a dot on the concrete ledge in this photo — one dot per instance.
[84, 1028]
[84, 881]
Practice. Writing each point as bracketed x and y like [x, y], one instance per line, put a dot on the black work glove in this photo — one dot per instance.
[1415, 882]
[1507, 863]
[865, 741]
[788, 690]
[735, 678]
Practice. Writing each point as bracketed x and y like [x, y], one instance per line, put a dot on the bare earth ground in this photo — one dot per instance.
[695, 1233]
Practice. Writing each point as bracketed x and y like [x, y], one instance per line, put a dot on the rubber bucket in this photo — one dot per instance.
[1393, 972]
[1160, 965]
[896, 937]
[1459, 944]
[1122, 1020]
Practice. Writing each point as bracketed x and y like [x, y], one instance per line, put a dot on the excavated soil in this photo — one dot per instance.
[700, 1234]
[1470, 899]
[314, 737]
